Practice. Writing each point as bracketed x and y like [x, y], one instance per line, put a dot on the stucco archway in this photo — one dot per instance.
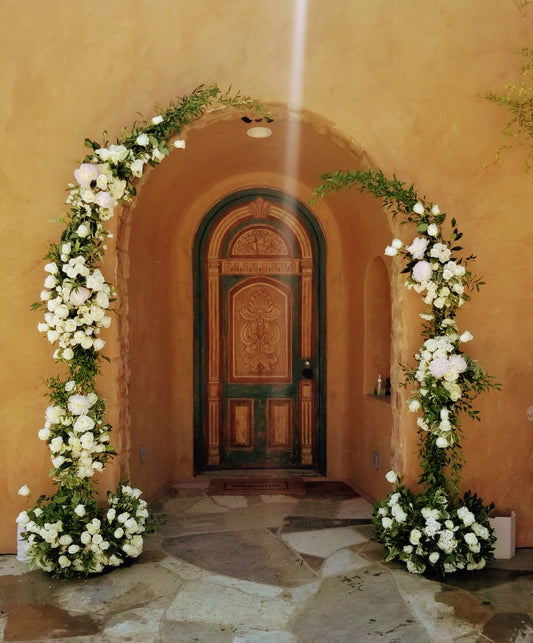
[156, 284]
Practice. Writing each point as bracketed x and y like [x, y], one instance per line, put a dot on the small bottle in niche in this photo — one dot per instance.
[379, 391]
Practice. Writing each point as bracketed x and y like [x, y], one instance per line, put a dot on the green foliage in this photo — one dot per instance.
[518, 101]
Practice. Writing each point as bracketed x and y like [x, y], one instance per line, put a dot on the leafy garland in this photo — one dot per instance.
[436, 530]
[69, 533]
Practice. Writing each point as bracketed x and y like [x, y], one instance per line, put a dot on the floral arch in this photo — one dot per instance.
[69, 533]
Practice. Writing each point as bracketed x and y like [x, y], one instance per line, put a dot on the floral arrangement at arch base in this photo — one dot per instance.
[69, 533]
[438, 530]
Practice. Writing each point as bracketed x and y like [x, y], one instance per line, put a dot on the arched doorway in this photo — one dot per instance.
[259, 262]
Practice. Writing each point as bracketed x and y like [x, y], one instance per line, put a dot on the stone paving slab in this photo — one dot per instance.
[254, 554]
[267, 569]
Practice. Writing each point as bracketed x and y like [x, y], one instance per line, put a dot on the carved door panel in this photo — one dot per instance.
[261, 341]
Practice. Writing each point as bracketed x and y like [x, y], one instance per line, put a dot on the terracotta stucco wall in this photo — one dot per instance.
[401, 79]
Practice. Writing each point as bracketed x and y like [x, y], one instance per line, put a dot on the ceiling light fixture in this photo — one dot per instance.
[259, 132]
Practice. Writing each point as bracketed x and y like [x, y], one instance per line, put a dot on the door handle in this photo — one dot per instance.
[308, 373]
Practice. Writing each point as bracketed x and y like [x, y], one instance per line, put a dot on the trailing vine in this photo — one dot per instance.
[68, 533]
[518, 100]
[435, 530]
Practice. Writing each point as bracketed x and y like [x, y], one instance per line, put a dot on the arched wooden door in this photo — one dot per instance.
[259, 363]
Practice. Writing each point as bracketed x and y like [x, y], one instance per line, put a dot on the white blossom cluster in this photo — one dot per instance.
[77, 300]
[441, 281]
[76, 435]
[88, 544]
[77, 296]
[439, 538]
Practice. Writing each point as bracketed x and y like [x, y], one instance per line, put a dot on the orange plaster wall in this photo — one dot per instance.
[402, 80]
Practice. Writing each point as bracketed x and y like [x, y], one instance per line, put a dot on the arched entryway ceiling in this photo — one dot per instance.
[155, 261]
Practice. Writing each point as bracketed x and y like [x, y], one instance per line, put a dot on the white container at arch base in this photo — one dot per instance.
[22, 546]
[504, 525]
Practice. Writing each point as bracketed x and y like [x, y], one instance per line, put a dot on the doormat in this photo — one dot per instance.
[255, 486]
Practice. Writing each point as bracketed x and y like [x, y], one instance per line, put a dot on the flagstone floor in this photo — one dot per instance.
[266, 569]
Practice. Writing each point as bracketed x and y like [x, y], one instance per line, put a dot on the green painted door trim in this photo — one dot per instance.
[199, 277]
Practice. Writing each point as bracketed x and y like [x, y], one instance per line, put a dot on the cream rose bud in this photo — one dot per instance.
[390, 251]
[98, 344]
[137, 168]
[180, 144]
[79, 510]
[24, 491]
[58, 461]
[435, 210]
[83, 230]
[441, 442]
[418, 208]
[391, 476]
[157, 155]
[45, 295]
[44, 434]
[50, 282]
[432, 230]
[142, 140]
[66, 248]
[157, 119]
[466, 337]
[42, 327]
[51, 268]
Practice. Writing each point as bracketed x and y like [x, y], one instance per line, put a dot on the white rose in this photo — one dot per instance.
[432, 230]
[137, 168]
[87, 195]
[53, 414]
[414, 406]
[58, 461]
[73, 549]
[157, 155]
[415, 536]
[87, 440]
[83, 230]
[434, 557]
[83, 424]
[111, 513]
[119, 532]
[56, 444]
[418, 248]
[78, 404]
[466, 337]
[102, 299]
[85, 537]
[142, 140]
[157, 119]
[179, 144]
[441, 442]
[45, 295]
[386, 522]
[390, 251]
[418, 208]
[44, 434]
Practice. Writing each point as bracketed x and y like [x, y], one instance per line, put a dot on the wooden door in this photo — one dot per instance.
[260, 333]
